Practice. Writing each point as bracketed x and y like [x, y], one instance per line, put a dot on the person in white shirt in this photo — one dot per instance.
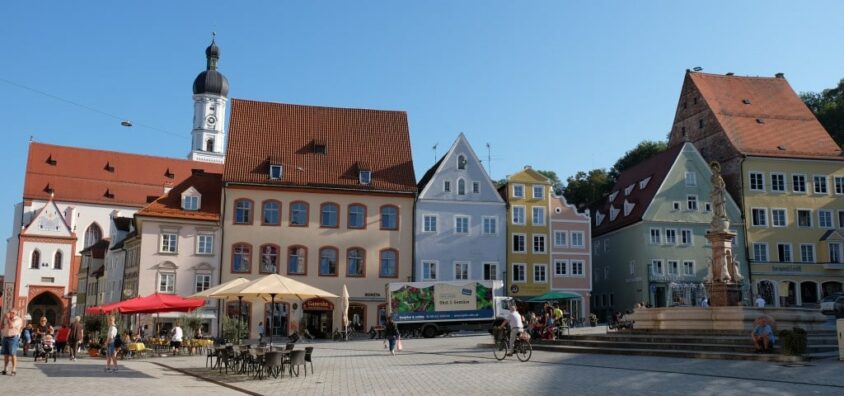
[176, 338]
[760, 302]
[111, 352]
[514, 319]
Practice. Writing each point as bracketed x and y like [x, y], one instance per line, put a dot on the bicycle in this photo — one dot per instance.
[522, 349]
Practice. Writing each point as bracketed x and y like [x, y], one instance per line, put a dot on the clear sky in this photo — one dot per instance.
[558, 85]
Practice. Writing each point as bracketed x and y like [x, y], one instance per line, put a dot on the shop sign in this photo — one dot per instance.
[317, 304]
[786, 268]
[372, 294]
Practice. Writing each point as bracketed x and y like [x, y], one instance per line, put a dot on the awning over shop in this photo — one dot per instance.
[552, 296]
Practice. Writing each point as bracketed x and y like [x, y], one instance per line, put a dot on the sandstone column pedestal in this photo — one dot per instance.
[724, 294]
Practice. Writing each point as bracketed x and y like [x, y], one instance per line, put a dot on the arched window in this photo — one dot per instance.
[461, 187]
[297, 260]
[269, 259]
[57, 260]
[389, 264]
[209, 144]
[299, 214]
[328, 215]
[355, 262]
[357, 216]
[35, 260]
[461, 161]
[93, 234]
[328, 261]
[271, 213]
[243, 211]
[389, 217]
[241, 258]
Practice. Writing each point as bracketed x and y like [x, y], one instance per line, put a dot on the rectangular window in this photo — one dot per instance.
[757, 181]
[538, 243]
[476, 187]
[819, 183]
[429, 223]
[656, 238]
[169, 242]
[190, 202]
[784, 252]
[804, 218]
[461, 271]
[275, 172]
[429, 270]
[242, 211]
[835, 252]
[518, 215]
[538, 191]
[490, 271]
[839, 185]
[461, 224]
[670, 236]
[519, 243]
[686, 237]
[656, 267]
[825, 218]
[691, 179]
[840, 218]
[329, 215]
[759, 217]
[691, 202]
[676, 205]
[577, 239]
[167, 282]
[538, 215]
[707, 207]
[204, 244]
[202, 282]
[447, 186]
[560, 238]
[365, 176]
[298, 214]
[798, 183]
[561, 268]
[577, 267]
[778, 218]
[518, 191]
[807, 253]
[490, 225]
[673, 267]
[778, 182]
[688, 268]
[357, 216]
[760, 252]
[519, 272]
[540, 273]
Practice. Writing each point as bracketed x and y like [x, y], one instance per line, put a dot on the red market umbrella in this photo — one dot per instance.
[102, 309]
[159, 302]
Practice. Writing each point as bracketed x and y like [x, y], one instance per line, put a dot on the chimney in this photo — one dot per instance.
[779, 75]
[528, 167]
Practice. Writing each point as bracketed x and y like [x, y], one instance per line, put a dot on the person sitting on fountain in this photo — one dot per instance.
[762, 335]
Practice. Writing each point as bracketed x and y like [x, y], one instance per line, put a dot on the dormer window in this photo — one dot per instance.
[644, 183]
[365, 176]
[190, 203]
[461, 162]
[319, 147]
[275, 172]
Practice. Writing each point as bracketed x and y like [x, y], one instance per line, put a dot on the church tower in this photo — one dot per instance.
[210, 92]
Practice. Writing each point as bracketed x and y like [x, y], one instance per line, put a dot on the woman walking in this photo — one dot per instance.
[76, 336]
[392, 333]
[111, 353]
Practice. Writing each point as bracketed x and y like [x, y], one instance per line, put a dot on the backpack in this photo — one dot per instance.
[118, 342]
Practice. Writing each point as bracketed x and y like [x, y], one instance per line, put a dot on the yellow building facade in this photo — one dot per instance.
[528, 245]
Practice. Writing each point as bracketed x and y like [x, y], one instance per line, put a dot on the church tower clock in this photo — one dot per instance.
[210, 92]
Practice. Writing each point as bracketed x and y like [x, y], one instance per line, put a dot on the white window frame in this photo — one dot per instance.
[457, 219]
[784, 217]
[276, 172]
[690, 200]
[676, 205]
[463, 268]
[838, 185]
[493, 270]
[190, 202]
[763, 217]
[170, 288]
[632, 267]
[544, 268]
[831, 223]
[773, 184]
[533, 243]
[673, 267]
[173, 245]
[688, 268]
[790, 252]
[690, 233]
[764, 249]
[432, 267]
[824, 184]
[196, 282]
[447, 186]
[794, 185]
[487, 220]
[760, 176]
[797, 218]
[435, 223]
[541, 191]
[365, 176]
[577, 268]
[670, 231]
[476, 187]
[655, 236]
[524, 239]
[575, 235]
[654, 267]
[561, 264]
[691, 179]
[513, 215]
[199, 244]
[811, 250]
[565, 238]
[523, 266]
[533, 216]
[516, 188]
[461, 186]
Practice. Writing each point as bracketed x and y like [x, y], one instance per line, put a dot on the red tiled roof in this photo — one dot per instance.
[209, 185]
[263, 133]
[656, 168]
[775, 122]
[103, 177]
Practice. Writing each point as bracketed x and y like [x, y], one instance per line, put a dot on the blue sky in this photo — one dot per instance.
[558, 85]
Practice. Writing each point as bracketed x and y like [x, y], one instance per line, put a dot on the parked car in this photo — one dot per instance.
[828, 302]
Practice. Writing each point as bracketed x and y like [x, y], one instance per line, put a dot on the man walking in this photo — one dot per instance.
[10, 330]
[75, 336]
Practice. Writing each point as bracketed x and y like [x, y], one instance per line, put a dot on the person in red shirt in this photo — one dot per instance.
[61, 338]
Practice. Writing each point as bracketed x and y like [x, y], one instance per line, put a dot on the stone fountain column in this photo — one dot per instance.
[724, 282]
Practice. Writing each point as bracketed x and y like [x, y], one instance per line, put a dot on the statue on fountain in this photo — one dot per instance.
[724, 276]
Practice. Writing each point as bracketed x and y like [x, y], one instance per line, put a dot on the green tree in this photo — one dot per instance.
[556, 183]
[584, 190]
[828, 107]
[644, 150]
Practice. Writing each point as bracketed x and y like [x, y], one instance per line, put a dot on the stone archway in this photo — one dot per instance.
[46, 305]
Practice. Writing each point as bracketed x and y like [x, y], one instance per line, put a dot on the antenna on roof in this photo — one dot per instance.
[435, 151]
[488, 160]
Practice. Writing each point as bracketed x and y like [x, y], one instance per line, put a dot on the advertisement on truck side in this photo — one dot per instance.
[441, 301]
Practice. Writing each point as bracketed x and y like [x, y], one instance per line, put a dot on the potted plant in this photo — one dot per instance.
[793, 341]
[94, 347]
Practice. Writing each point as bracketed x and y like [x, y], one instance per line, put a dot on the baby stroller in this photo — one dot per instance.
[45, 348]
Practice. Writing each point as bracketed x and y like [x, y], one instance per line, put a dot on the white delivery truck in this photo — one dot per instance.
[434, 308]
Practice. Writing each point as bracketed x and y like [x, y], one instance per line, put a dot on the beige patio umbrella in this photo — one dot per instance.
[273, 286]
[219, 288]
[344, 310]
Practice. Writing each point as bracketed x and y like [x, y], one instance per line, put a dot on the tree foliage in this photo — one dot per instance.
[556, 183]
[644, 150]
[828, 107]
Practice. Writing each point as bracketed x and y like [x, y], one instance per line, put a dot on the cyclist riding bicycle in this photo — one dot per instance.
[514, 319]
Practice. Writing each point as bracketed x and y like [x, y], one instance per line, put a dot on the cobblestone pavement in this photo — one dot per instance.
[447, 366]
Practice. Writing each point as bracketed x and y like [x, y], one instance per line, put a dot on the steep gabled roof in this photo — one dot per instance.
[208, 185]
[263, 134]
[646, 178]
[429, 174]
[764, 116]
[102, 177]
